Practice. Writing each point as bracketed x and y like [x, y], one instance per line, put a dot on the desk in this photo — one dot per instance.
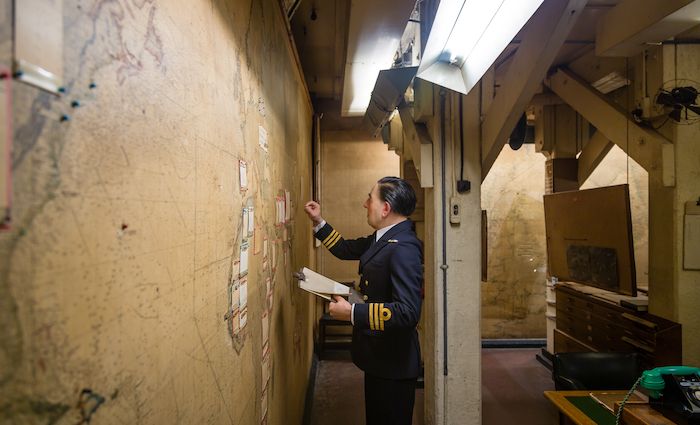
[633, 414]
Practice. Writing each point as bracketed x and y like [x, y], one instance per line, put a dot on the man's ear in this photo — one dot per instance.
[386, 209]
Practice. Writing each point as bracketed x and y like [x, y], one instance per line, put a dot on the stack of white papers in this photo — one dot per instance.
[321, 286]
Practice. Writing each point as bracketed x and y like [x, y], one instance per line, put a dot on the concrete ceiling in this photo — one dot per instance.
[322, 42]
[320, 33]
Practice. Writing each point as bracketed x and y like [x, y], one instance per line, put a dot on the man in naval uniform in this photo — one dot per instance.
[384, 338]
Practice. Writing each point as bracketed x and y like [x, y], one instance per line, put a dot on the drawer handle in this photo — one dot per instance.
[637, 320]
[639, 345]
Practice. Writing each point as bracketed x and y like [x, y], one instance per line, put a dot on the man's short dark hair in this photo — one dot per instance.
[398, 193]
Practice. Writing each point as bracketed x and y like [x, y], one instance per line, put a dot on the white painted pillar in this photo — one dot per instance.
[453, 382]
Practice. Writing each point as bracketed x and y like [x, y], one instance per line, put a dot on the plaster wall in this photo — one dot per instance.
[127, 221]
[513, 297]
[351, 163]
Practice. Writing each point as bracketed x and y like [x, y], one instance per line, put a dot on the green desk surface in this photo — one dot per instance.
[581, 408]
[592, 409]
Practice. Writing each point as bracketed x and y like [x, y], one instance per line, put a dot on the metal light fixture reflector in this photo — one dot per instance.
[467, 36]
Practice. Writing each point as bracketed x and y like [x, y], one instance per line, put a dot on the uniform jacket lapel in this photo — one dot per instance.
[382, 242]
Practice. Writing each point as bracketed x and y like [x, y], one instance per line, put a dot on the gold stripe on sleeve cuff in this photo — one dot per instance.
[329, 237]
[335, 242]
[330, 241]
[336, 235]
[371, 317]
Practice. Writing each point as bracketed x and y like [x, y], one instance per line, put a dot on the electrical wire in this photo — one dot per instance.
[444, 229]
[627, 119]
[624, 400]
[461, 140]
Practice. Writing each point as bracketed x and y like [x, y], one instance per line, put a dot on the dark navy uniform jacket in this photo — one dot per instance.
[384, 337]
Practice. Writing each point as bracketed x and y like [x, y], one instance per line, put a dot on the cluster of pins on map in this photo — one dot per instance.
[75, 103]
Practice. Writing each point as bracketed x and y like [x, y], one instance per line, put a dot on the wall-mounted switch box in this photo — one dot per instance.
[455, 211]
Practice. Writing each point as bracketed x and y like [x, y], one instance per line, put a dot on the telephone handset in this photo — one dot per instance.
[675, 392]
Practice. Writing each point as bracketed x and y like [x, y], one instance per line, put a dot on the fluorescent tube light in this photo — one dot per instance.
[611, 82]
[467, 36]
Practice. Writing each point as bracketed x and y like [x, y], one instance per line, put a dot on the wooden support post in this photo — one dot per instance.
[542, 38]
[417, 141]
[591, 155]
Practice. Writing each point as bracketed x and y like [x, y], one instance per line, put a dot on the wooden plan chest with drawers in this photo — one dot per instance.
[588, 323]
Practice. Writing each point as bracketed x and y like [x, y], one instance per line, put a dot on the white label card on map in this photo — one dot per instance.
[235, 306]
[243, 318]
[251, 220]
[274, 256]
[243, 293]
[287, 206]
[265, 332]
[243, 268]
[262, 137]
[243, 174]
[246, 219]
[235, 296]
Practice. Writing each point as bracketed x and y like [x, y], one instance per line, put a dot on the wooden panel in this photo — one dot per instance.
[593, 221]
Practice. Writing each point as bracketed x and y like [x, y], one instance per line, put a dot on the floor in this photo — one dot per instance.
[339, 395]
[512, 385]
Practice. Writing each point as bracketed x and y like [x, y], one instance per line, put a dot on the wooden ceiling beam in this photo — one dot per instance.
[541, 41]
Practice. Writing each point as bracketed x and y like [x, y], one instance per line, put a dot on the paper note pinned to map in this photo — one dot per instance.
[235, 307]
[246, 218]
[274, 256]
[287, 206]
[262, 137]
[265, 332]
[269, 293]
[243, 174]
[243, 295]
[251, 220]
[280, 210]
[243, 267]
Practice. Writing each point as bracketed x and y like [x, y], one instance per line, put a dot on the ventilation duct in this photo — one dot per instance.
[386, 96]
